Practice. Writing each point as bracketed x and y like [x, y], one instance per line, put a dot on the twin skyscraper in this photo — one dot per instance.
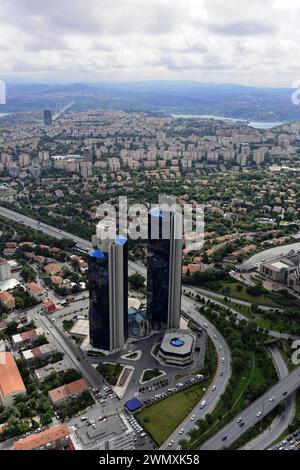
[108, 279]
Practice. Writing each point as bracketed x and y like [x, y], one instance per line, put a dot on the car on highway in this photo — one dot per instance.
[239, 420]
[259, 414]
[171, 443]
[221, 373]
[223, 359]
[181, 431]
[284, 393]
[272, 398]
[214, 388]
[224, 437]
[241, 424]
[193, 417]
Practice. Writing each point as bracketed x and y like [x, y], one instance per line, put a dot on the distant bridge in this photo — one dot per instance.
[61, 109]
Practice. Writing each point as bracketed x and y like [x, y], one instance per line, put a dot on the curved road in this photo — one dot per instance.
[280, 423]
[219, 382]
[271, 253]
[232, 431]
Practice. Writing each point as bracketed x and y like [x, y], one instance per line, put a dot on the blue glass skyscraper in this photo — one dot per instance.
[164, 253]
[108, 288]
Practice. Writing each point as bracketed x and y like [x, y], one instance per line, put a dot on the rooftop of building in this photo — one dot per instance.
[10, 377]
[290, 260]
[3, 261]
[34, 441]
[6, 296]
[38, 351]
[9, 284]
[97, 253]
[43, 372]
[120, 240]
[27, 335]
[60, 393]
[34, 287]
[111, 427]
[178, 342]
[80, 328]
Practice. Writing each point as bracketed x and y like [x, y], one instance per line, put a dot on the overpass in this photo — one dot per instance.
[62, 111]
[255, 412]
[45, 228]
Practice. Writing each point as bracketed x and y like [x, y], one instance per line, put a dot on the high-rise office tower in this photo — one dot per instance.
[87, 154]
[47, 117]
[164, 259]
[108, 288]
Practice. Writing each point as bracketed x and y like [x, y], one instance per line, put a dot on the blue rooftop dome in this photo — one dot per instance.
[97, 253]
[177, 342]
[120, 240]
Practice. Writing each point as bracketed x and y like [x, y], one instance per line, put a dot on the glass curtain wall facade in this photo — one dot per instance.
[158, 269]
[108, 288]
[99, 313]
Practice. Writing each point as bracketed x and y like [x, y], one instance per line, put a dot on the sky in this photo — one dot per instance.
[234, 41]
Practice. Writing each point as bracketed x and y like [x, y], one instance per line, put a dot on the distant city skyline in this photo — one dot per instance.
[207, 41]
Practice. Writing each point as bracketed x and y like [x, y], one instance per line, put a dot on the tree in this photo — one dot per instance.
[46, 418]
[136, 281]
[28, 274]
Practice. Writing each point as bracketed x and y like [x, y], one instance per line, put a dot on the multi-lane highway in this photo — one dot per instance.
[218, 385]
[282, 421]
[45, 228]
[255, 412]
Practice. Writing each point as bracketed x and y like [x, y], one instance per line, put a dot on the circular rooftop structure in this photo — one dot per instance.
[177, 347]
[177, 342]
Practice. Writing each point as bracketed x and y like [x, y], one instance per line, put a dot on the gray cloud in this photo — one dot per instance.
[249, 42]
[242, 28]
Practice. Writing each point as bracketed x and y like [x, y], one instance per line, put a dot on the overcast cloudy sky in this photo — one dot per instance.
[235, 41]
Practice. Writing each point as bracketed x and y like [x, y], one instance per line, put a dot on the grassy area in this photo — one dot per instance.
[287, 352]
[68, 324]
[274, 300]
[296, 421]
[110, 371]
[151, 374]
[276, 323]
[161, 418]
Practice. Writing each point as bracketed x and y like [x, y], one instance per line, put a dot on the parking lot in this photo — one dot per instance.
[141, 439]
[170, 391]
[291, 442]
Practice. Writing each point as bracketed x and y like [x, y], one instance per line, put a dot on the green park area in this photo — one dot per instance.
[283, 321]
[160, 419]
[151, 374]
[110, 371]
[256, 295]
